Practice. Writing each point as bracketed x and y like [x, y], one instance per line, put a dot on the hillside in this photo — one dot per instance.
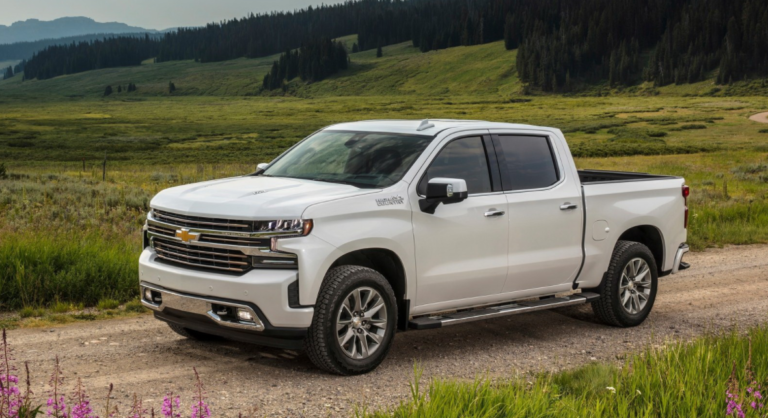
[403, 70]
[34, 29]
[480, 70]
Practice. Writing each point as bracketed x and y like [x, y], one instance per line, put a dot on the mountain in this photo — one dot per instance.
[34, 30]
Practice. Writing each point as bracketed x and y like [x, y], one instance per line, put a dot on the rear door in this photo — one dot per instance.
[461, 249]
[544, 211]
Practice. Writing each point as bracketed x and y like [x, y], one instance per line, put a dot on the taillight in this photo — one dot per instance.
[686, 192]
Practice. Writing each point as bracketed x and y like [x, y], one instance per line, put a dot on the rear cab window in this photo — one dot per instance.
[527, 162]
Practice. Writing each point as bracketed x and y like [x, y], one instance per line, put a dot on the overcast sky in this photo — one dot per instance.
[149, 14]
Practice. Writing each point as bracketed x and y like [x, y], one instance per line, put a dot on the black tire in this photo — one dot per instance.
[322, 342]
[192, 334]
[609, 307]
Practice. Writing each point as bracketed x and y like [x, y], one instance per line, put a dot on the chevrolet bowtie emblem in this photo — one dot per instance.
[187, 236]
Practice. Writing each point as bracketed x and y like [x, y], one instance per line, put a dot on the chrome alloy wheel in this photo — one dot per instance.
[635, 287]
[361, 323]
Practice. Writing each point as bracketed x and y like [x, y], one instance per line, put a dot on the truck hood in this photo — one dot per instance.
[252, 197]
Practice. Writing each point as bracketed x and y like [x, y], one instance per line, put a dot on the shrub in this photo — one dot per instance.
[693, 126]
[106, 304]
[134, 306]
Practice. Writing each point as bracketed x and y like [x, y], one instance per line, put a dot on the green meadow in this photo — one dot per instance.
[70, 236]
[679, 380]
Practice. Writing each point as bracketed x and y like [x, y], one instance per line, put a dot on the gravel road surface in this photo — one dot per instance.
[723, 288]
[760, 117]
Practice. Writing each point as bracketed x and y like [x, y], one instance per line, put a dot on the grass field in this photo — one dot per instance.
[63, 227]
[679, 380]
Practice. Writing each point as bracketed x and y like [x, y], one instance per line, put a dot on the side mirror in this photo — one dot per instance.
[445, 191]
[260, 168]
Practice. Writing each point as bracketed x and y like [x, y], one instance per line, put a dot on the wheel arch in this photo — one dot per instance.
[389, 264]
[651, 237]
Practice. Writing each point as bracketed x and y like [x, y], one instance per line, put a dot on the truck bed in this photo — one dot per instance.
[601, 176]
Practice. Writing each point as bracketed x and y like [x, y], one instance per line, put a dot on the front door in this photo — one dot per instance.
[461, 249]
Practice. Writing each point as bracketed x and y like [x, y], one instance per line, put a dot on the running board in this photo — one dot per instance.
[438, 321]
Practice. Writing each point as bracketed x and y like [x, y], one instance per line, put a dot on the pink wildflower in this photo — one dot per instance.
[171, 406]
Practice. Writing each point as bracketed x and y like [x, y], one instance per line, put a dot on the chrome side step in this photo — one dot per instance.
[438, 321]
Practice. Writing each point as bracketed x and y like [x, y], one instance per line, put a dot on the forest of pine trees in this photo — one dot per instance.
[85, 56]
[560, 43]
[8, 73]
[314, 61]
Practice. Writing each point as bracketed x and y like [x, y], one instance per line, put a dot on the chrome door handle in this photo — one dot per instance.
[568, 206]
[493, 213]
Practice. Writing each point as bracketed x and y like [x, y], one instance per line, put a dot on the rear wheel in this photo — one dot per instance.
[629, 289]
[192, 334]
[354, 321]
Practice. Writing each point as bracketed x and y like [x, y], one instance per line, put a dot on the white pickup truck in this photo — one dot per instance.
[366, 228]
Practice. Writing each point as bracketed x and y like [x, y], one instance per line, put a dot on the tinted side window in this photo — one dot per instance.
[527, 162]
[461, 159]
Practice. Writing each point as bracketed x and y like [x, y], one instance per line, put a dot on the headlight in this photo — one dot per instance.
[292, 227]
[287, 229]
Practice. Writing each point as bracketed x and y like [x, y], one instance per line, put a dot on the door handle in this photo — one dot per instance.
[493, 213]
[568, 206]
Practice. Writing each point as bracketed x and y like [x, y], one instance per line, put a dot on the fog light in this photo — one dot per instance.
[244, 315]
[148, 294]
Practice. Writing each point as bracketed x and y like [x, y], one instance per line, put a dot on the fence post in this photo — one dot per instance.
[104, 170]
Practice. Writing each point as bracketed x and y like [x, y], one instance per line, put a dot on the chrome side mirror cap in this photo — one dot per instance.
[443, 190]
[260, 168]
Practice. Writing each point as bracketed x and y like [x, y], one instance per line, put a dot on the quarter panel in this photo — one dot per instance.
[625, 205]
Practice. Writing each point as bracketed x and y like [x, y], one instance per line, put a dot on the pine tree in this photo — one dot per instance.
[8, 73]
[108, 91]
[379, 52]
[119, 88]
[171, 87]
[355, 48]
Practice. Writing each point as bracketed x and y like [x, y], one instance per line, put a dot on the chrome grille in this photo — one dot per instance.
[199, 222]
[201, 257]
[168, 232]
[235, 240]
[212, 244]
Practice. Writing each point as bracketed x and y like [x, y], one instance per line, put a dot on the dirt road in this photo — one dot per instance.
[724, 287]
[760, 117]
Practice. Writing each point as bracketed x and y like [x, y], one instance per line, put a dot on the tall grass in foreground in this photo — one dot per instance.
[40, 269]
[681, 380]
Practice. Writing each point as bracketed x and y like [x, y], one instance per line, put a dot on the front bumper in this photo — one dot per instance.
[262, 292]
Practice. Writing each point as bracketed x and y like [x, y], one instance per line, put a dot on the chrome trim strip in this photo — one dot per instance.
[253, 251]
[192, 257]
[198, 265]
[201, 252]
[162, 214]
[679, 257]
[152, 221]
[199, 305]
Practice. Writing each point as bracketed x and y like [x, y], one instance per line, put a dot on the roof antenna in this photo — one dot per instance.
[425, 124]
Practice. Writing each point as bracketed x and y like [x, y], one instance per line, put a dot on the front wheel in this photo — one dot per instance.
[629, 288]
[354, 321]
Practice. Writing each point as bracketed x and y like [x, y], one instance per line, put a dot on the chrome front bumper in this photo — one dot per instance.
[679, 257]
[199, 305]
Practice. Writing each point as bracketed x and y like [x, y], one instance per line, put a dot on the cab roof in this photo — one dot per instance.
[426, 127]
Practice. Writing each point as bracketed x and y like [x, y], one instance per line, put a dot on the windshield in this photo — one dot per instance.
[361, 159]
